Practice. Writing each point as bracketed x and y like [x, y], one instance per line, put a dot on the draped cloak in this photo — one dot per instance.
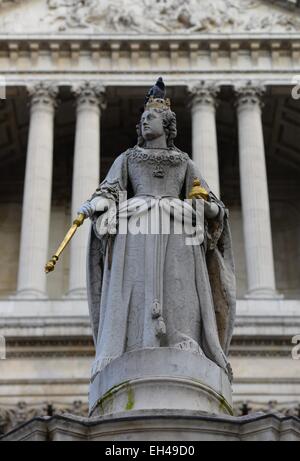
[195, 284]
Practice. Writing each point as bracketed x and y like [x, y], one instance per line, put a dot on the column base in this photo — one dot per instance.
[160, 379]
[29, 294]
[77, 293]
[263, 293]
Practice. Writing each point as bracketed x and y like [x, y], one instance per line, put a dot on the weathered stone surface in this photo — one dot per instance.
[159, 379]
[117, 16]
[158, 426]
[159, 293]
[42, 357]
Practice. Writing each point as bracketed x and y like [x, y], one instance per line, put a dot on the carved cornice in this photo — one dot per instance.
[204, 93]
[43, 95]
[260, 347]
[247, 407]
[249, 94]
[14, 415]
[55, 347]
[79, 347]
[66, 58]
[89, 94]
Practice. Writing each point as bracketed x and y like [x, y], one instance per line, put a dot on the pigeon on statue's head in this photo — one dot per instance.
[157, 91]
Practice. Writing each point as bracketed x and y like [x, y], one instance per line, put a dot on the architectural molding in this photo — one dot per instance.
[167, 425]
[43, 94]
[250, 93]
[260, 347]
[13, 415]
[21, 412]
[54, 347]
[90, 94]
[82, 346]
[79, 347]
[204, 93]
[22, 318]
[24, 61]
[246, 407]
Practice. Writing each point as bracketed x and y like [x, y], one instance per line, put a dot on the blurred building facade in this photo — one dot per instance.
[76, 73]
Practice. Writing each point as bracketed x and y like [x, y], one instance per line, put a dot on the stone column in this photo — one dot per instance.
[37, 193]
[204, 132]
[254, 191]
[86, 175]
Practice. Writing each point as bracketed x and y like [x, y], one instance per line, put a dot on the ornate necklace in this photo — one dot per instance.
[158, 159]
[159, 171]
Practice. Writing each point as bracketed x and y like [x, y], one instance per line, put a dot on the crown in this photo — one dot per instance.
[158, 103]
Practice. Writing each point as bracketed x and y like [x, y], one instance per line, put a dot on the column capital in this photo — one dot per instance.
[43, 94]
[204, 93]
[249, 94]
[89, 94]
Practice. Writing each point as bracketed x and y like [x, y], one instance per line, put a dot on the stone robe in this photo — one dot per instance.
[155, 290]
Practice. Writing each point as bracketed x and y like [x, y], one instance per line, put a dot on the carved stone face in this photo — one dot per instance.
[152, 124]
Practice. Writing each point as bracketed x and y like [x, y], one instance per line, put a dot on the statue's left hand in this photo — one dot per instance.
[211, 210]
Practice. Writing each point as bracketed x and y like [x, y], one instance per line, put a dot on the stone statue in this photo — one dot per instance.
[154, 290]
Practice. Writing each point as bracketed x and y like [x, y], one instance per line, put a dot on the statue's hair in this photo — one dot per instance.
[169, 124]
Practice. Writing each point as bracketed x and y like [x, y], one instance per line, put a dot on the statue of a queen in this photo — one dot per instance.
[154, 289]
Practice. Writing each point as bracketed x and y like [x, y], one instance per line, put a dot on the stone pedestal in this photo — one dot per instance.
[160, 379]
[157, 426]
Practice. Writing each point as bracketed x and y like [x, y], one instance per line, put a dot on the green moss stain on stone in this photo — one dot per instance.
[224, 406]
[106, 401]
[130, 399]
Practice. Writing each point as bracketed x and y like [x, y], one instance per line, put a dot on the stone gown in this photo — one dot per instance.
[155, 290]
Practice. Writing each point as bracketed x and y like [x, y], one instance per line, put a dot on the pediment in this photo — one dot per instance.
[147, 16]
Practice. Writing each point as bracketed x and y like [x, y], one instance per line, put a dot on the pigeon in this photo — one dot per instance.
[157, 91]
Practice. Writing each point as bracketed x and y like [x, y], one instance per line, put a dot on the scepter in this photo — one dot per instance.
[50, 266]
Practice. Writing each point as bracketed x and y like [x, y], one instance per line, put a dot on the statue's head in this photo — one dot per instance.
[157, 119]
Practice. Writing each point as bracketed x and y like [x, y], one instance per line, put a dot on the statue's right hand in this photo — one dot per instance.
[86, 209]
[97, 204]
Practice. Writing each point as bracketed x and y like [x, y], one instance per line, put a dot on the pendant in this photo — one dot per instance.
[159, 172]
